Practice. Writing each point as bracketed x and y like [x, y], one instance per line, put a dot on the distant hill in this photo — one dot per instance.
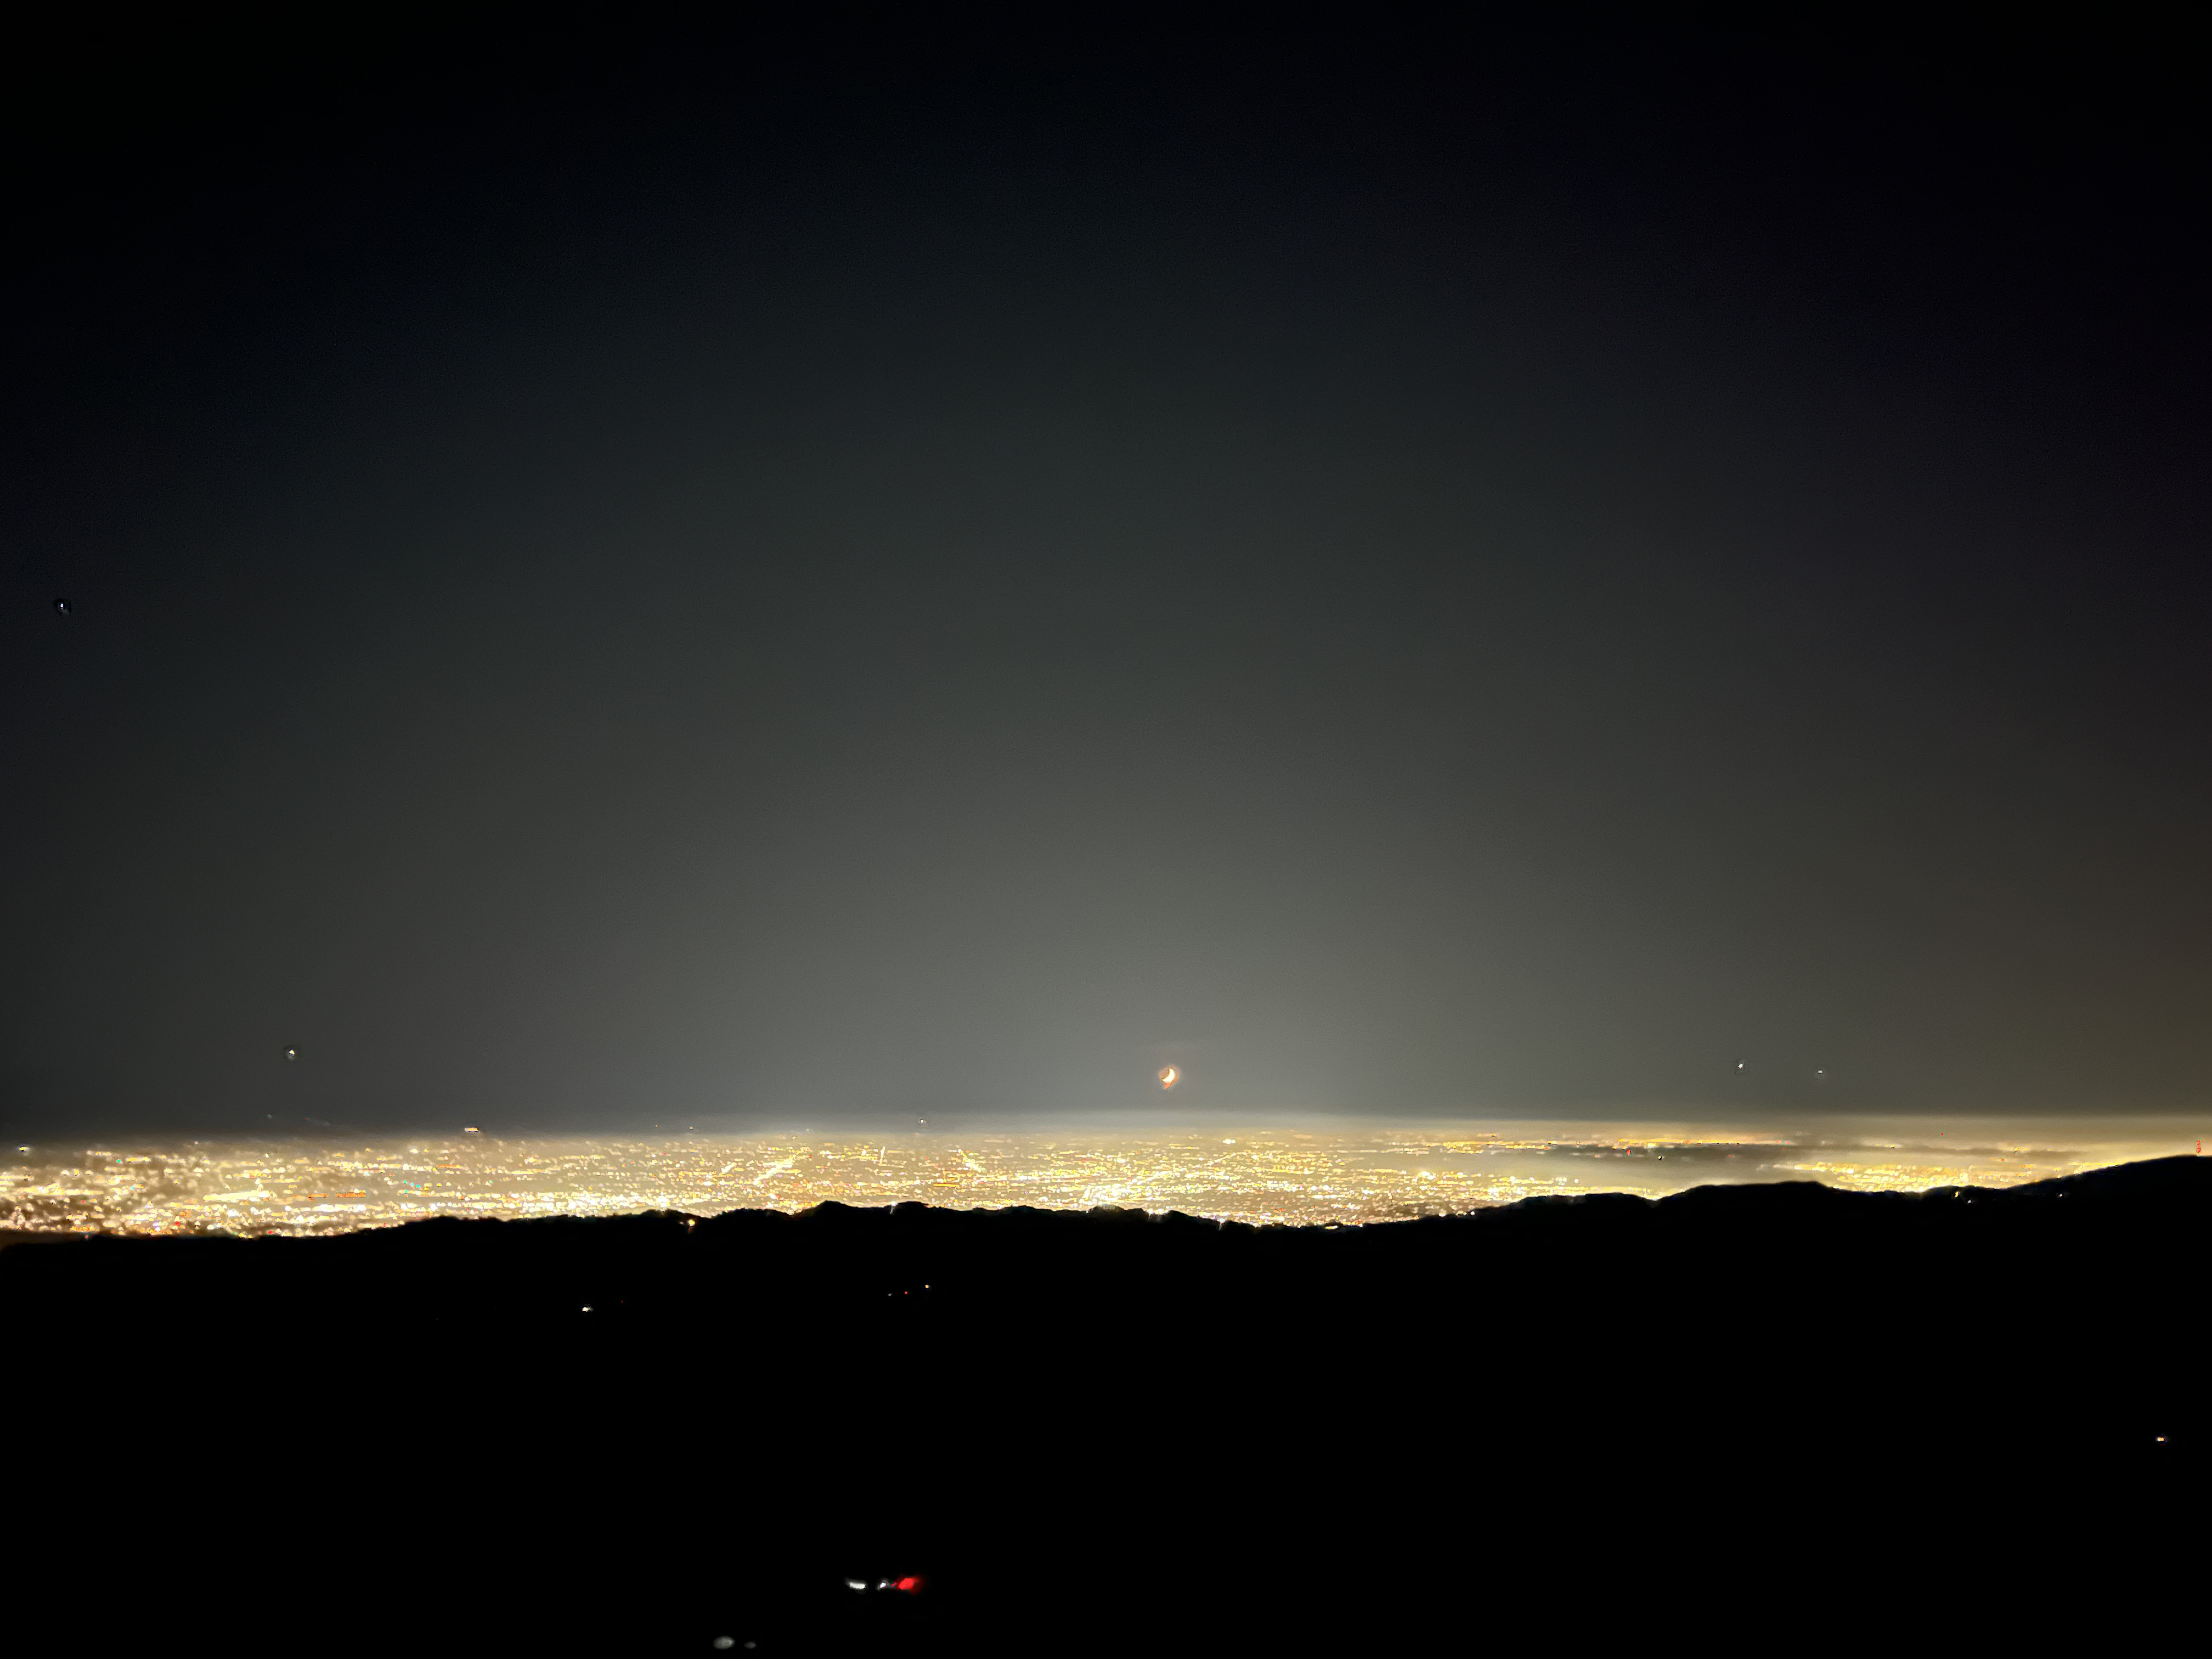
[1109, 1431]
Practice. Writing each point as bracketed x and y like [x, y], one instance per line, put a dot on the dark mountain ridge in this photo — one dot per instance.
[1107, 1429]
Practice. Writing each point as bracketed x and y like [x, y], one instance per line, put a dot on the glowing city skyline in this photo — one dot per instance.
[1256, 1173]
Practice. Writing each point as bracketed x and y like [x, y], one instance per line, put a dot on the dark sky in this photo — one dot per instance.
[622, 575]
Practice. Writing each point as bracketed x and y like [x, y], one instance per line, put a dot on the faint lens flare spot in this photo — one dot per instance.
[1170, 1076]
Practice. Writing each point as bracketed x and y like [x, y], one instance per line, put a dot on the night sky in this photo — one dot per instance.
[618, 575]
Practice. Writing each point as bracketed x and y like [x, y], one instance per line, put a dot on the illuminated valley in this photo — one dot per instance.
[1309, 1176]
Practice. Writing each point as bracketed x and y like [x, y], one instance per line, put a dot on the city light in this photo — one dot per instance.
[1318, 1177]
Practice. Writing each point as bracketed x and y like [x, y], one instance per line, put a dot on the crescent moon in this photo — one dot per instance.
[1168, 1075]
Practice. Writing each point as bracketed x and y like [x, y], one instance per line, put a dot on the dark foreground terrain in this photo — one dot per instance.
[1755, 1417]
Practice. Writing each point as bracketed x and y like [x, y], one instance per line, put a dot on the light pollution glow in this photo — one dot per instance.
[1338, 1174]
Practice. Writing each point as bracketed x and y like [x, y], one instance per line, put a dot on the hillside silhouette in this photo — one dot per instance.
[1107, 1431]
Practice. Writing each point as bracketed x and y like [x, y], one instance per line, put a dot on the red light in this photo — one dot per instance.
[910, 1584]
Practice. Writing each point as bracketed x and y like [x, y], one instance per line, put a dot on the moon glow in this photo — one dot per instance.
[1169, 1076]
